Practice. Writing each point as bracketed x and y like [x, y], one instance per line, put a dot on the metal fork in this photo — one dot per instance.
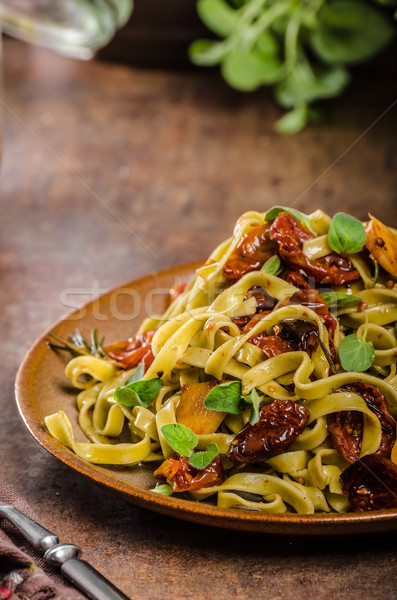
[65, 557]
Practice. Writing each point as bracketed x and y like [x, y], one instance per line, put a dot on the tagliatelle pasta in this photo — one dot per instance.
[269, 383]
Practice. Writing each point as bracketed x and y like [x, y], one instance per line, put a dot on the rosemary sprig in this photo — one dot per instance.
[77, 345]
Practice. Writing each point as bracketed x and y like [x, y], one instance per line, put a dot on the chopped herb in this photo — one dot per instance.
[201, 460]
[272, 266]
[346, 234]
[180, 438]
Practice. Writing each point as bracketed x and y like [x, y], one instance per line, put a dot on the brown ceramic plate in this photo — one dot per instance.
[42, 388]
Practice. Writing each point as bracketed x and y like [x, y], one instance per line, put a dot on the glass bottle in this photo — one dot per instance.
[75, 28]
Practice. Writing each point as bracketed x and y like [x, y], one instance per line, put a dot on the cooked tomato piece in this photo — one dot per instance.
[176, 291]
[290, 236]
[182, 477]
[371, 483]
[253, 250]
[133, 351]
[346, 427]
[279, 425]
[272, 345]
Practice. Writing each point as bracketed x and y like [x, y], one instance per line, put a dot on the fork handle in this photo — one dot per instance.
[38, 536]
[83, 575]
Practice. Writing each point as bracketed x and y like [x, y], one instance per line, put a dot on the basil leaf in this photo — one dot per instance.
[139, 393]
[272, 266]
[164, 489]
[180, 438]
[201, 460]
[346, 234]
[226, 397]
[274, 212]
[136, 375]
[254, 399]
[356, 354]
[338, 300]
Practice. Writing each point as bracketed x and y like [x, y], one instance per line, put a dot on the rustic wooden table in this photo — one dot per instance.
[111, 172]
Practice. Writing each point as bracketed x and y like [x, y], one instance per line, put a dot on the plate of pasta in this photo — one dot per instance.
[259, 392]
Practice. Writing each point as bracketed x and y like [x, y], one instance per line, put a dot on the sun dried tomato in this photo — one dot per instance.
[371, 483]
[272, 345]
[182, 477]
[346, 433]
[253, 250]
[346, 427]
[290, 236]
[133, 351]
[279, 425]
[296, 277]
[176, 291]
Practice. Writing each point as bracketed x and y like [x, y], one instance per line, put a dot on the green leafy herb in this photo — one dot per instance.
[339, 300]
[78, 346]
[226, 397]
[180, 438]
[272, 266]
[164, 489]
[350, 32]
[346, 234]
[300, 47]
[356, 354]
[137, 374]
[201, 460]
[254, 399]
[138, 393]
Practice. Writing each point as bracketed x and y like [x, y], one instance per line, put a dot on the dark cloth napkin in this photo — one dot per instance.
[23, 572]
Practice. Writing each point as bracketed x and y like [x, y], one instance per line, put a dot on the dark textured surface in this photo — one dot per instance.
[175, 157]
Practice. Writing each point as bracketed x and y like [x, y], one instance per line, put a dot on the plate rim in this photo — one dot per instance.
[251, 521]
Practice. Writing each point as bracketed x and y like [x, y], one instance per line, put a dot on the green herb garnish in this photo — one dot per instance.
[201, 460]
[78, 346]
[136, 375]
[254, 399]
[226, 397]
[302, 47]
[138, 393]
[356, 354]
[272, 266]
[346, 234]
[164, 489]
[339, 300]
[180, 438]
